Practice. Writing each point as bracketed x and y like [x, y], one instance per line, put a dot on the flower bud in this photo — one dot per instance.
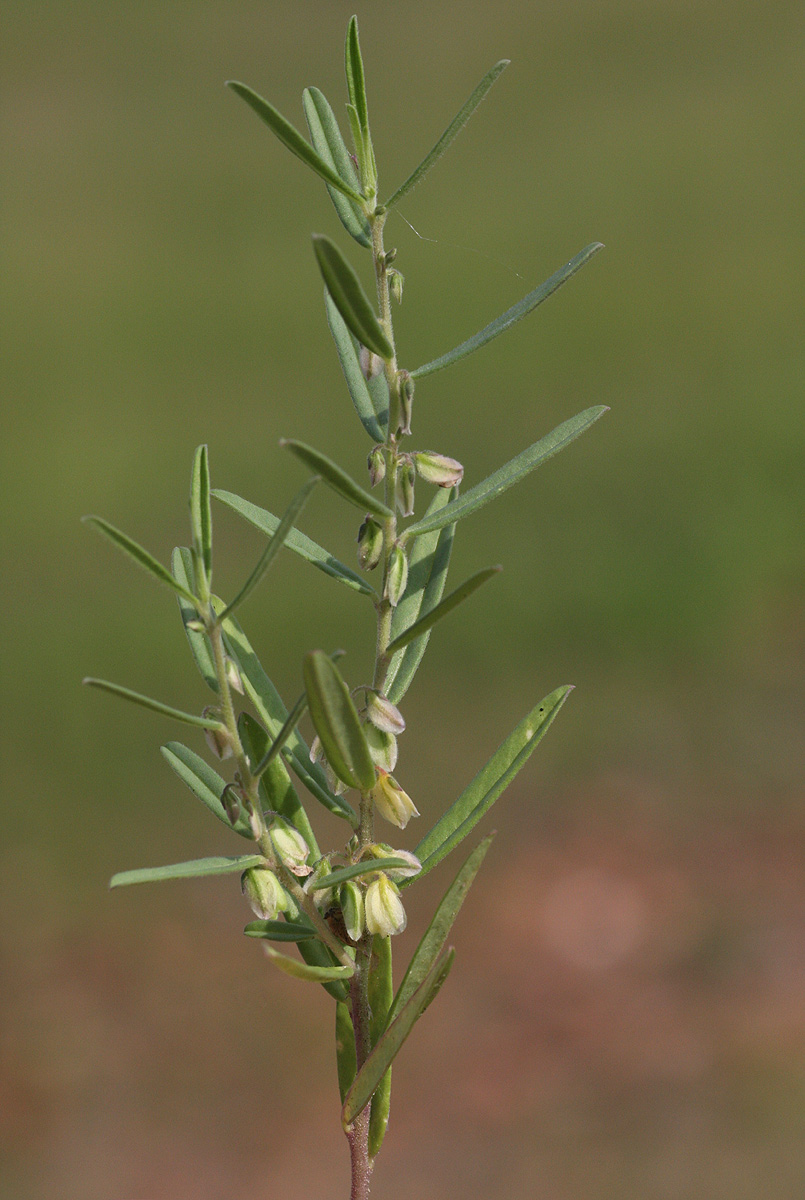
[233, 676]
[350, 898]
[218, 740]
[406, 403]
[371, 364]
[383, 714]
[290, 847]
[316, 752]
[322, 897]
[384, 850]
[396, 283]
[385, 914]
[397, 575]
[231, 800]
[370, 543]
[376, 462]
[391, 801]
[438, 468]
[406, 478]
[390, 256]
[265, 893]
[382, 747]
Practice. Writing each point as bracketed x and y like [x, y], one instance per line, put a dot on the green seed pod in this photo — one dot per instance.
[406, 479]
[376, 462]
[438, 468]
[350, 898]
[370, 543]
[397, 575]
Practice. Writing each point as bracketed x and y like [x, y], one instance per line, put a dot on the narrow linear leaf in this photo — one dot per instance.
[302, 545]
[140, 556]
[200, 518]
[183, 573]
[360, 868]
[316, 954]
[371, 417]
[349, 297]
[441, 610]
[345, 1055]
[279, 742]
[337, 805]
[513, 314]
[302, 970]
[380, 1058]
[490, 782]
[438, 931]
[441, 975]
[453, 129]
[509, 474]
[329, 144]
[381, 993]
[292, 138]
[154, 705]
[279, 931]
[356, 82]
[427, 574]
[337, 479]
[197, 869]
[204, 783]
[336, 722]
[277, 540]
[276, 790]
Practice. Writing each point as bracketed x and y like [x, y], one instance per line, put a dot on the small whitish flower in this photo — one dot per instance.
[383, 714]
[406, 479]
[371, 364]
[350, 898]
[385, 914]
[233, 676]
[384, 850]
[322, 897]
[290, 847]
[370, 543]
[391, 801]
[438, 468]
[397, 576]
[396, 284]
[376, 462]
[265, 893]
[382, 747]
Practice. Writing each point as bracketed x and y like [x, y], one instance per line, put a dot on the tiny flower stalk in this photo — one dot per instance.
[339, 906]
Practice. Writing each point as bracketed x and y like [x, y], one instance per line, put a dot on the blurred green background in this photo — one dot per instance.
[626, 1014]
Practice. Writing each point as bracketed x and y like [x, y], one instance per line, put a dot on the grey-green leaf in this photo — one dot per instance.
[337, 479]
[374, 418]
[183, 573]
[200, 518]
[302, 970]
[513, 314]
[204, 783]
[276, 789]
[137, 554]
[380, 1058]
[197, 869]
[441, 610]
[349, 297]
[381, 993]
[329, 144]
[277, 540]
[454, 128]
[337, 723]
[365, 867]
[279, 931]
[427, 574]
[316, 954]
[437, 932]
[292, 138]
[356, 82]
[509, 474]
[302, 545]
[156, 706]
[490, 782]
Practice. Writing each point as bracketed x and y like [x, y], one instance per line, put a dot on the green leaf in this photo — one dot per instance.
[381, 1057]
[329, 144]
[204, 783]
[303, 970]
[266, 522]
[276, 789]
[292, 138]
[277, 540]
[345, 1056]
[454, 128]
[183, 573]
[427, 573]
[441, 975]
[279, 931]
[338, 480]
[438, 931]
[154, 705]
[316, 954]
[490, 782]
[349, 297]
[280, 741]
[140, 556]
[513, 314]
[196, 869]
[266, 699]
[381, 992]
[356, 82]
[441, 610]
[372, 417]
[509, 474]
[200, 518]
[360, 868]
[337, 723]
